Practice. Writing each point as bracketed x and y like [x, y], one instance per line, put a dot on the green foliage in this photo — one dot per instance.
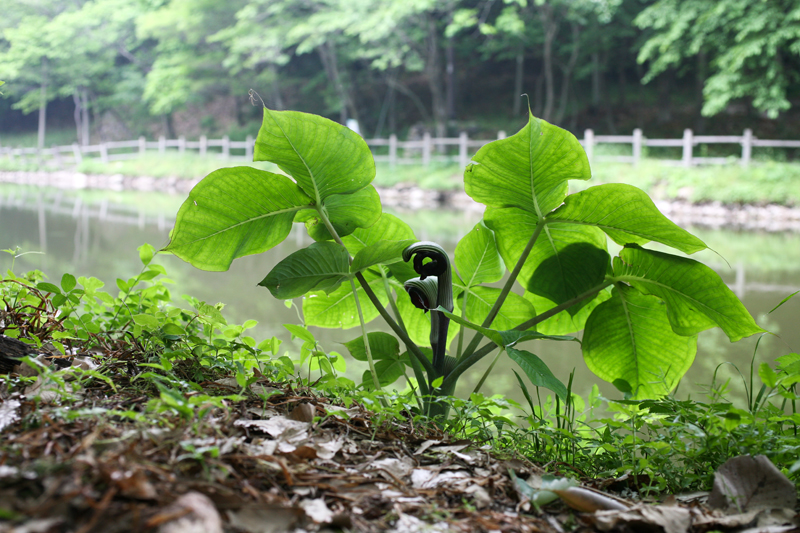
[642, 337]
[748, 44]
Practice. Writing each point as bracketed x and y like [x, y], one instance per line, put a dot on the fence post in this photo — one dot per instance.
[142, 146]
[687, 148]
[739, 284]
[104, 152]
[181, 144]
[76, 152]
[637, 146]
[57, 156]
[747, 147]
[501, 135]
[248, 149]
[392, 150]
[463, 159]
[226, 147]
[426, 149]
[203, 145]
[588, 143]
[162, 144]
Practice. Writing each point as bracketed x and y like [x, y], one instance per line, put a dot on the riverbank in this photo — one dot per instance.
[683, 200]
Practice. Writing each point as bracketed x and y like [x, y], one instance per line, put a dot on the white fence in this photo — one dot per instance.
[423, 151]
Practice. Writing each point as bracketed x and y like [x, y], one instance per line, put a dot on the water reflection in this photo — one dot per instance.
[96, 233]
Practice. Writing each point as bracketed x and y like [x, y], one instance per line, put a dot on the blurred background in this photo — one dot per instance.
[105, 70]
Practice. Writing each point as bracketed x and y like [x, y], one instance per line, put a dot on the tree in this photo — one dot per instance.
[752, 47]
[189, 63]
[80, 50]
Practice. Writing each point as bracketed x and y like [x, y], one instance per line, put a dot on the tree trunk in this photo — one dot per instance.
[537, 95]
[519, 74]
[433, 71]
[277, 101]
[595, 79]
[451, 81]
[550, 29]
[85, 121]
[169, 129]
[664, 88]
[622, 83]
[42, 105]
[567, 72]
[327, 54]
[702, 72]
[386, 108]
[393, 111]
[76, 97]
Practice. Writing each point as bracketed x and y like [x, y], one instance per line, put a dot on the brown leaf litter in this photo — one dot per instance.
[259, 466]
[85, 457]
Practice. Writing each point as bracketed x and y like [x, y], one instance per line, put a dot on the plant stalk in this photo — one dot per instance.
[413, 348]
[421, 383]
[392, 324]
[504, 292]
[372, 370]
[488, 371]
[486, 349]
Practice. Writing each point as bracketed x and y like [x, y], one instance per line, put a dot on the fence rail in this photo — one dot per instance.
[423, 151]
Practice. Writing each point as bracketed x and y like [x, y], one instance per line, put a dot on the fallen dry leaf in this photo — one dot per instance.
[589, 501]
[669, 518]
[8, 413]
[304, 412]
[748, 483]
[263, 519]
[193, 513]
[317, 510]
[134, 484]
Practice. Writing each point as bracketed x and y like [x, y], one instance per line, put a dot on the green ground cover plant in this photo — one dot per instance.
[640, 311]
[189, 362]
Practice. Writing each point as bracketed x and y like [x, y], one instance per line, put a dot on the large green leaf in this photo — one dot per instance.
[382, 346]
[387, 228]
[627, 215]
[388, 372]
[321, 266]
[338, 309]
[528, 170]
[385, 350]
[514, 311]
[563, 323]
[418, 322]
[235, 212]
[324, 157]
[347, 212]
[506, 338]
[476, 257]
[380, 253]
[567, 274]
[628, 337]
[537, 371]
[696, 297]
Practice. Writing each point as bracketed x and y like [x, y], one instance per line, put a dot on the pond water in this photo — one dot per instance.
[95, 233]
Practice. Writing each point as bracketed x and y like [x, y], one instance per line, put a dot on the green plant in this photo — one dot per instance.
[640, 312]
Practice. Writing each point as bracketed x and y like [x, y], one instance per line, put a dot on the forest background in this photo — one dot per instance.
[102, 70]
